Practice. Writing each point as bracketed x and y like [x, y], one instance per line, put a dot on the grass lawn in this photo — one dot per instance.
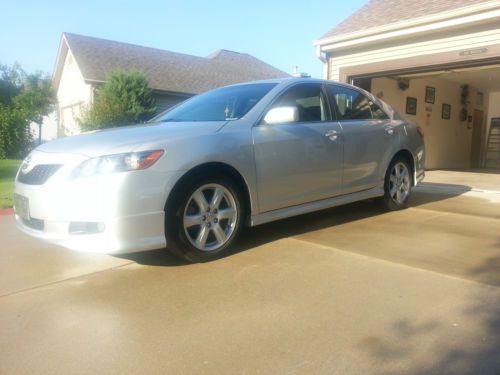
[8, 169]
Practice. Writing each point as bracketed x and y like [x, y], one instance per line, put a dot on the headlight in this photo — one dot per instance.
[107, 164]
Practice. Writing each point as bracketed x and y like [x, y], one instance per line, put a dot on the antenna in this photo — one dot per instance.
[298, 74]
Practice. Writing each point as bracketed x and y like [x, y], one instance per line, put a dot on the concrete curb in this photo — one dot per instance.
[7, 211]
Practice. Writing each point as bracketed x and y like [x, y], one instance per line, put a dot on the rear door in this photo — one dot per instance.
[367, 134]
[298, 162]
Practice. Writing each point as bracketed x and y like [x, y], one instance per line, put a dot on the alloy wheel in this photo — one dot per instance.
[399, 183]
[210, 217]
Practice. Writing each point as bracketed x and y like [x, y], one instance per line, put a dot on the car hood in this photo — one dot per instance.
[129, 138]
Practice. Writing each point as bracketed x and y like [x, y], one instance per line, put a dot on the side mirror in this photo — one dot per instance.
[280, 115]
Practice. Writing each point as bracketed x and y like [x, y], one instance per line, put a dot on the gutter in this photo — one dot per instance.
[322, 57]
[480, 12]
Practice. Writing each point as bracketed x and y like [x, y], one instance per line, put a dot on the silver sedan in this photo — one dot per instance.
[240, 155]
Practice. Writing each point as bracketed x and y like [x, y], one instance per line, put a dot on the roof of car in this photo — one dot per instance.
[295, 80]
[165, 70]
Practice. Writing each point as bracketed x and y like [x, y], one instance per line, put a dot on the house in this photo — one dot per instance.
[436, 62]
[83, 63]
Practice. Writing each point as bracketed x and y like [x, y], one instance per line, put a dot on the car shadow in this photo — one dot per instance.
[298, 225]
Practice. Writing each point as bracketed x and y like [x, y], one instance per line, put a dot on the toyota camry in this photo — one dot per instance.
[241, 155]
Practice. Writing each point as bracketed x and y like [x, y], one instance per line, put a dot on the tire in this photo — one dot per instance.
[204, 218]
[397, 184]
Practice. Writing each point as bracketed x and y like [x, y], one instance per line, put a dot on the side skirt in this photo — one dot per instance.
[305, 208]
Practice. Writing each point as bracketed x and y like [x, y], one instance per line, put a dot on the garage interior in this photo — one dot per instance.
[454, 105]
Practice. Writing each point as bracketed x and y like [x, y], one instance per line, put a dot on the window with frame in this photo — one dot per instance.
[223, 104]
[351, 104]
[309, 100]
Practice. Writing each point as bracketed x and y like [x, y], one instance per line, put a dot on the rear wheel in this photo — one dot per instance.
[397, 184]
[205, 219]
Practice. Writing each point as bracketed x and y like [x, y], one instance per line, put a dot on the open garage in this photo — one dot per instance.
[436, 64]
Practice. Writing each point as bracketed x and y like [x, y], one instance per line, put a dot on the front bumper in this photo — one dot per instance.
[117, 213]
[120, 235]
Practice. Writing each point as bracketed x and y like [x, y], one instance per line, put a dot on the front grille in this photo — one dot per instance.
[39, 174]
[33, 223]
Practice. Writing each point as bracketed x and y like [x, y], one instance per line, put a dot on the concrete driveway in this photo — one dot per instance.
[351, 290]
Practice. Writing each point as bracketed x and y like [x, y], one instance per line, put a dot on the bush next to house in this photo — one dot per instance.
[125, 98]
[24, 98]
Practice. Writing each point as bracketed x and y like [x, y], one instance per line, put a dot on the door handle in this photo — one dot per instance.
[389, 130]
[332, 135]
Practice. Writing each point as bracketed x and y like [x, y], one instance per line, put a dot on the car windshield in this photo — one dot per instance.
[227, 103]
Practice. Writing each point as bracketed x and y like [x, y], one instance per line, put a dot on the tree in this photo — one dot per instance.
[124, 99]
[24, 98]
[11, 82]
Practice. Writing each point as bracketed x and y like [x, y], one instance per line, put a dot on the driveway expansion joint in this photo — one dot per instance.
[395, 264]
[64, 280]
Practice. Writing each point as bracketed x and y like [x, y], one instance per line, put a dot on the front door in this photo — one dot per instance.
[301, 161]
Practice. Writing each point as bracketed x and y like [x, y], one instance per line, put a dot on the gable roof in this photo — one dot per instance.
[165, 70]
[384, 12]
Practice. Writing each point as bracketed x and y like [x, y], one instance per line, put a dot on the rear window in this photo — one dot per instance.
[351, 104]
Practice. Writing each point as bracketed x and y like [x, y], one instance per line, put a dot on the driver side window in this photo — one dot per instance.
[309, 100]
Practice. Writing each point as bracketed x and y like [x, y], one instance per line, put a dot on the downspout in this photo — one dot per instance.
[322, 57]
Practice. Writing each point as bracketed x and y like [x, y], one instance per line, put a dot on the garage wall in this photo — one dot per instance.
[448, 142]
[403, 52]
[166, 101]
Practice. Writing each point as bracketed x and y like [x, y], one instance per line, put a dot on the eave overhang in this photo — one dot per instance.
[467, 16]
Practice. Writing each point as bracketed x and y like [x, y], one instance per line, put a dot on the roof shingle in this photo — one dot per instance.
[383, 12]
[165, 70]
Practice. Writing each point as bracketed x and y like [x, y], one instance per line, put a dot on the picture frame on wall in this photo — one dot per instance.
[430, 94]
[446, 111]
[411, 105]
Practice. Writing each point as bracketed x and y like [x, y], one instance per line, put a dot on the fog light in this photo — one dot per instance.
[79, 227]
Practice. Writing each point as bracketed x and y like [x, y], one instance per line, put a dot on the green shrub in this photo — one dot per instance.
[24, 98]
[124, 99]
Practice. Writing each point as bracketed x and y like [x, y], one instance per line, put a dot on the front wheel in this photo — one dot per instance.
[205, 219]
[397, 185]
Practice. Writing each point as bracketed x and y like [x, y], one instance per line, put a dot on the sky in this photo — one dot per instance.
[280, 33]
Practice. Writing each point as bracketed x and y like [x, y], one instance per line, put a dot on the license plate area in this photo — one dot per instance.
[22, 206]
